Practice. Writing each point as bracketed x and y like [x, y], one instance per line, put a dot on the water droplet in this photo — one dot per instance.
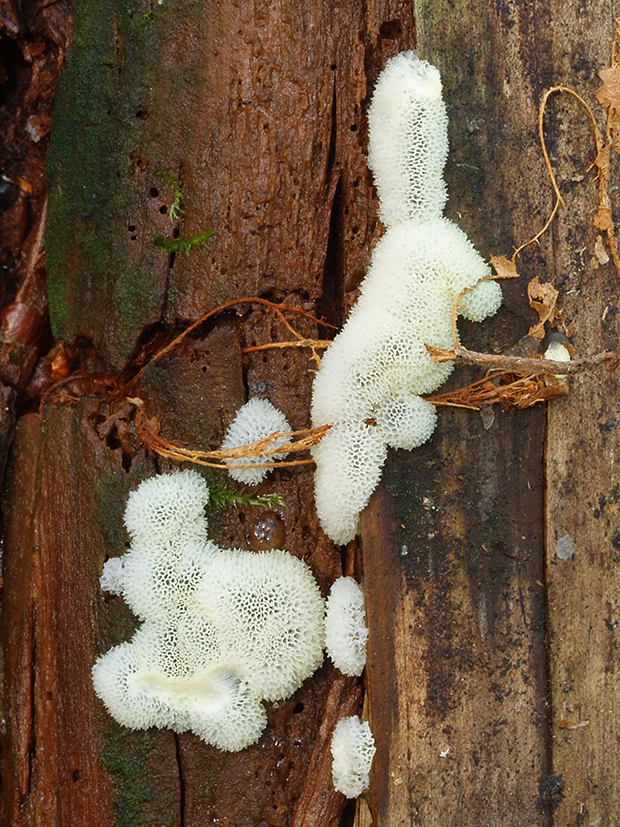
[266, 531]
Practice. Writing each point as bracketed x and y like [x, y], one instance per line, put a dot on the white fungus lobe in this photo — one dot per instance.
[348, 460]
[255, 420]
[373, 374]
[353, 748]
[112, 579]
[481, 302]
[222, 629]
[166, 504]
[406, 421]
[557, 352]
[408, 140]
[345, 626]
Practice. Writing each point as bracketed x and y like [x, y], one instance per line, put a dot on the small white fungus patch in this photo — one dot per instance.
[112, 579]
[345, 626]
[255, 420]
[352, 748]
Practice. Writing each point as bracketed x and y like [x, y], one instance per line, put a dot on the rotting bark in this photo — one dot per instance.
[266, 110]
[258, 113]
[582, 513]
[488, 680]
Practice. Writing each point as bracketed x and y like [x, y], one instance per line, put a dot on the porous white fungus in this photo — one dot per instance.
[373, 373]
[406, 421]
[408, 140]
[165, 505]
[557, 352]
[111, 579]
[160, 580]
[270, 616]
[353, 748]
[481, 301]
[255, 420]
[222, 630]
[345, 626]
[348, 460]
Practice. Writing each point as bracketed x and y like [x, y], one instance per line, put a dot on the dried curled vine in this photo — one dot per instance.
[522, 382]
[148, 430]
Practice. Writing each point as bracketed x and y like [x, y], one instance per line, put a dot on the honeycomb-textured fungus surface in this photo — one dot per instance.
[222, 630]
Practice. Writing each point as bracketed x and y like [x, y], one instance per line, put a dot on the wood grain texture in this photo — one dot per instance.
[582, 478]
[456, 673]
[257, 111]
[491, 682]
[481, 638]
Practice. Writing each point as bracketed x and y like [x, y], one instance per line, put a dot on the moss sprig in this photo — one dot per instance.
[182, 245]
[176, 208]
[221, 497]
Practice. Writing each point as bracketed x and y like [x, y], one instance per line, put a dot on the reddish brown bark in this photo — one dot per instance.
[258, 112]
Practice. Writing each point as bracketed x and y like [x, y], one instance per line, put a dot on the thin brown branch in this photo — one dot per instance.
[522, 364]
[148, 431]
[35, 253]
[312, 343]
[278, 308]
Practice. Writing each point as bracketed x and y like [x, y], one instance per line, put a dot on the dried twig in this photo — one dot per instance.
[37, 251]
[504, 388]
[521, 364]
[148, 430]
[315, 344]
[277, 308]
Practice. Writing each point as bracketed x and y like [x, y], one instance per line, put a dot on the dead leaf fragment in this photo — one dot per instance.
[505, 388]
[599, 250]
[601, 162]
[505, 268]
[25, 186]
[566, 724]
[543, 298]
[609, 93]
[603, 220]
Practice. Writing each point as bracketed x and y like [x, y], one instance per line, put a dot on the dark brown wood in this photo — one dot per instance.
[320, 803]
[54, 772]
[582, 513]
[456, 671]
[491, 683]
[257, 114]
[481, 659]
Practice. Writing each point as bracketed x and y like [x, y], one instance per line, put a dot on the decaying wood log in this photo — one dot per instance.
[487, 554]
[499, 654]
[581, 508]
[257, 117]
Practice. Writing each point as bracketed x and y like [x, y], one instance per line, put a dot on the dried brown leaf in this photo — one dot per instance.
[543, 298]
[505, 268]
[505, 388]
[599, 251]
[601, 162]
[609, 93]
[603, 220]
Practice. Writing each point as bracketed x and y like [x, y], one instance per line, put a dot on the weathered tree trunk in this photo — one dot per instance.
[492, 661]
[491, 682]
